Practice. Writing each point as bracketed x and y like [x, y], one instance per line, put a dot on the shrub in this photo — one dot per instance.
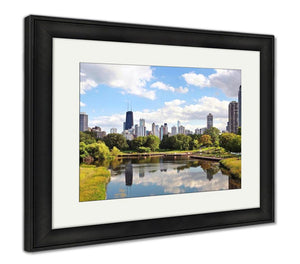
[144, 150]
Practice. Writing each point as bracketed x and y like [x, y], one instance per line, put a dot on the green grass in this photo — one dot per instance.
[233, 165]
[217, 152]
[93, 181]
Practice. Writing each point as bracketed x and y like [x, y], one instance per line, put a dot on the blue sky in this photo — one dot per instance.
[157, 94]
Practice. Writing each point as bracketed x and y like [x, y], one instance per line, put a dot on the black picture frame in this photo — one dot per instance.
[39, 31]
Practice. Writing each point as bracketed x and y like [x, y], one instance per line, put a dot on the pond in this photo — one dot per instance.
[148, 176]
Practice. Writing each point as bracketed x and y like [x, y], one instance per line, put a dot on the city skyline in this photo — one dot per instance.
[156, 94]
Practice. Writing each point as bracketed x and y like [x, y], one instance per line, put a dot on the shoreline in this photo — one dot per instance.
[189, 154]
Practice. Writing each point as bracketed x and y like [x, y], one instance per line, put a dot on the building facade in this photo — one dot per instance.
[210, 121]
[165, 129]
[84, 119]
[129, 120]
[113, 130]
[181, 130]
[173, 130]
[233, 117]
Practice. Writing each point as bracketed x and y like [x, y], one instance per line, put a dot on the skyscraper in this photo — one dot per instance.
[129, 120]
[209, 121]
[157, 130]
[240, 106]
[142, 128]
[153, 129]
[181, 130]
[165, 129]
[113, 130]
[83, 122]
[161, 132]
[173, 130]
[233, 117]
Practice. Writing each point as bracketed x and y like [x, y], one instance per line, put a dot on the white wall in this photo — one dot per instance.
[256, 244]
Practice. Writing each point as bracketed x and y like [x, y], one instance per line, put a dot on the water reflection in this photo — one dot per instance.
[128, 174]
[165, 175]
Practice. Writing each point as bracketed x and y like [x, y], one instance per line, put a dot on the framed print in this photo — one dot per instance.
[135, 131]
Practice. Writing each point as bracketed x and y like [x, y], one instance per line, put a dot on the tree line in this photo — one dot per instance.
[112, 144]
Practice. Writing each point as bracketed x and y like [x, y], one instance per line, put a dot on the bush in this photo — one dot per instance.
[144, 150]
[82, 151]
[99, 151]
[115, 152]
[231, 142]
[115, 140]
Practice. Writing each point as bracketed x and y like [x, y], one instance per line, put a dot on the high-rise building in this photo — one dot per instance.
[142, 128]
[136, 130]
[165, 129]
[233, 117]
[240, 105]
[156, 131]
[113, 130]
[209, 121]
[83, 122]
[153, 129]
[173, 130]
[188, 132]
[161, 132]
[197, 131]
[181, 130]
[202, 130]
[178, 125]
[129, 120]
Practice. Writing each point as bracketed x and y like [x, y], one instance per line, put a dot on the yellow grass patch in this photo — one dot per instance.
[93, 181]
[234, 165]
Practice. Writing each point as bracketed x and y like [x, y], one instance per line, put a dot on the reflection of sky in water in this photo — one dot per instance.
[133, 179]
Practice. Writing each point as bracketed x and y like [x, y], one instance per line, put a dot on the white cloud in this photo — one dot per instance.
[82, 104]
[227, 80]
[196, 79]
[190, 115]
[175, 102]
[129, 78]
[167, 87]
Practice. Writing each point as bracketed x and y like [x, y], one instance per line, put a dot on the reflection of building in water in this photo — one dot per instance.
[209, 175]
[128, 174]
[141, 172]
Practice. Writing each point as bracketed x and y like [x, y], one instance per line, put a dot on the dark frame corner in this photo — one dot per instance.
[39, 32]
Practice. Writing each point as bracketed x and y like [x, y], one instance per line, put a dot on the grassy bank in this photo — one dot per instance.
[233, 165]
[93, 182]
[217, 152]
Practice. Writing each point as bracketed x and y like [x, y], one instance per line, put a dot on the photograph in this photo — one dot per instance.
[149, 130]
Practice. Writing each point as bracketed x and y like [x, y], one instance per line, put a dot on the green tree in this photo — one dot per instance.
[82, 151]
[115, 140]
[214, 134]
[138, 142]
[194, 144]
[239, 132]
[231, 142]
[182, 142]
[205, 140]
[152, 142]
[99, 151]
[144, 149]
[87, 137]
[166, 142]
[115, 151]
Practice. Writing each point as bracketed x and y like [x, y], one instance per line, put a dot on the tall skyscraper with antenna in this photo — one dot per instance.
[129, 119]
